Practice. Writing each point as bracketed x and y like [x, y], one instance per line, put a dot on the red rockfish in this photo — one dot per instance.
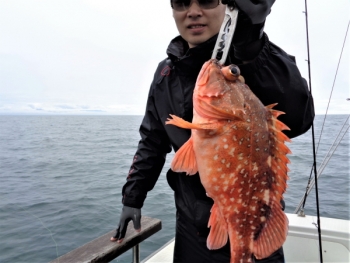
[239, 150]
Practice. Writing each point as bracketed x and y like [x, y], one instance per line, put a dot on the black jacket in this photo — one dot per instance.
[273, 77]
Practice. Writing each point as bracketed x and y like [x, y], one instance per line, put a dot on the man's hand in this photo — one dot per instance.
[256, 10]
[128, 214]
[247, 39]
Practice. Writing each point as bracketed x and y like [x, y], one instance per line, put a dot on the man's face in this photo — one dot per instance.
[197, 25]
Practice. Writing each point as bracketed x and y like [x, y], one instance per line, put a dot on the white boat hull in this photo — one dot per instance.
[301, 244]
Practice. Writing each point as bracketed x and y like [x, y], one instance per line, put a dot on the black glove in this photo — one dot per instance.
[247, 40]
[128, 214]
[256, 10]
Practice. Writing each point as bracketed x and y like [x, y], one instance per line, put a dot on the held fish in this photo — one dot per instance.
[239, 150]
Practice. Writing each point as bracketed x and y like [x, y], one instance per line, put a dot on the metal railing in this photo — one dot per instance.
[102, 249]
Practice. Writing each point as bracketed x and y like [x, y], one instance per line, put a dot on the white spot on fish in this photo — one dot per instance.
[228, 165]
[225, 140]
[262, 219]
[225, 146]
[222, 176]
[225, 187]
[214, 179]
[242, 171]
[216, 188]
[269, 161]
[232, 199]
[257, 149]
[226, 182]
[223, 160]
[240, 156]
[232, 152]
[216, 157]
[253, 208]
[266, 196]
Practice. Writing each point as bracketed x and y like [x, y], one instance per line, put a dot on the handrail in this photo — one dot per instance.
[102, 249]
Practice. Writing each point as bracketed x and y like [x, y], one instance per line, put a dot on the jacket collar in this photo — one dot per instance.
[178, 49]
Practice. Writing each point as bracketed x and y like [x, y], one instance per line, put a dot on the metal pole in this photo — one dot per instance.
[136, 254]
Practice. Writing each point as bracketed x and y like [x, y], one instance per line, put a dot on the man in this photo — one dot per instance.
[270, 73]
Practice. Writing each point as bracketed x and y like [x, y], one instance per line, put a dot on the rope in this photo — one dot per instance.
[323, 165]
[310, 183]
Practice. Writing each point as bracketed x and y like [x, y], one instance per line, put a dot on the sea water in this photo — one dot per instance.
[61, 179]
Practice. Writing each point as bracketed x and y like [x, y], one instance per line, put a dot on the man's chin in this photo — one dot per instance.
[193, 42]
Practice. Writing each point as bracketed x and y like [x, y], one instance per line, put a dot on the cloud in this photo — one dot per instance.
[71, 109]
[92, 57]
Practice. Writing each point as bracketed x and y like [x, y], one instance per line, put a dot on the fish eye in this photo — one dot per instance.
[235, 70]
[231, 72]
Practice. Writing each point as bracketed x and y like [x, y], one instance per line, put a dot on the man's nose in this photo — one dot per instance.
[194, 10]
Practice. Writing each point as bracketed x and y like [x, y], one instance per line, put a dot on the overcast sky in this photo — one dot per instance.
[99, 56]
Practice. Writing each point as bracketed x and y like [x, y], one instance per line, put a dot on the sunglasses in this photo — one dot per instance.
[183, 5]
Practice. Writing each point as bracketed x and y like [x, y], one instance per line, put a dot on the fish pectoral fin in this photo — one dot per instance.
[179, 122]
[273, 234]
[214, 112]
[218, 235]
[185, 159]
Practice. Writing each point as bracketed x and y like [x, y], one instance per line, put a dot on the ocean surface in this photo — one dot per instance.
[61, 180]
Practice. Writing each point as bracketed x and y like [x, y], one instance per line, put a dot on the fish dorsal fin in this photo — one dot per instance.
[218, 229]
[278, 159]
[273, 233]
[185, 159]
